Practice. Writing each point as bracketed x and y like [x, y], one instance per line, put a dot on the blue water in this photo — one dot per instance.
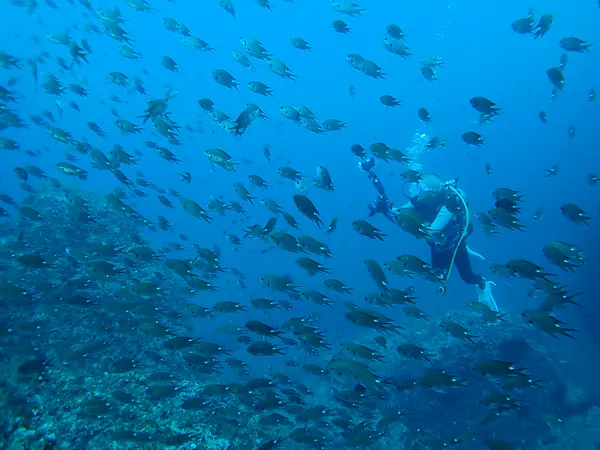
[482, 57]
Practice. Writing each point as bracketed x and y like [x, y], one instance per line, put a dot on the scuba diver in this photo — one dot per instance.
[443, 208]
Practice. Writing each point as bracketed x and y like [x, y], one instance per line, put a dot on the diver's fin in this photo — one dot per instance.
[485, 296]
[474, 253]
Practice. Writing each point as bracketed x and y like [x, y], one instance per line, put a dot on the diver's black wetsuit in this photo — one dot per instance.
[441, 259]
[428, 207]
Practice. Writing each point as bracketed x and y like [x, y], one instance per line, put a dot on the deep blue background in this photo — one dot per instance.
[482, 55]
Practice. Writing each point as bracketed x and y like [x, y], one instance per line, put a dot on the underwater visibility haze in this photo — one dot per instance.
[299, 224]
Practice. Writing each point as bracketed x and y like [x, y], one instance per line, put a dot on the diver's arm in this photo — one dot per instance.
[382, 204]
[408, 205]
[367, 166]
[442, 219]
[377, 184]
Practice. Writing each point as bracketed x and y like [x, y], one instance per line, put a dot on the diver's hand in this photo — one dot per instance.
[434, 236]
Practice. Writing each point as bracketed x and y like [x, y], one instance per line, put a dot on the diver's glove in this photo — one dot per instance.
[434, 236]
[382, 205]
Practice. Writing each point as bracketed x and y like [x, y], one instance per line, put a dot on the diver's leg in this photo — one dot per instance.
[441, 261]
[465, 269]
[484, 288]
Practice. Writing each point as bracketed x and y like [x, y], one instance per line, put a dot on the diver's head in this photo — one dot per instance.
[432, 190]
[431, 182]
[428, 184]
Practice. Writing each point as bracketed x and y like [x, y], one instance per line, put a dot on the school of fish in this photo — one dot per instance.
[111, 340]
